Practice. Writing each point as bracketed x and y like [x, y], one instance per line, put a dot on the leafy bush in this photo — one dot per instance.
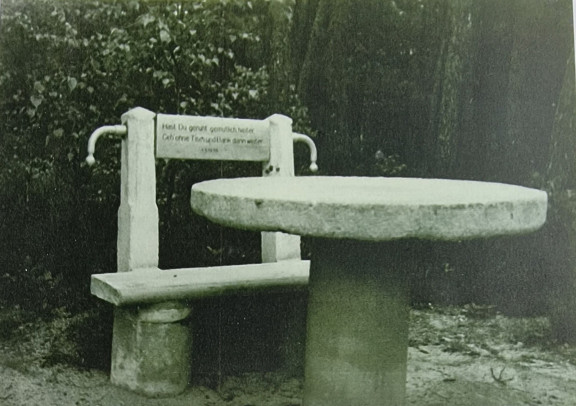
[68, 67]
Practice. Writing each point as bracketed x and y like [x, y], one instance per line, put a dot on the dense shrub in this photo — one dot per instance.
[68, 67]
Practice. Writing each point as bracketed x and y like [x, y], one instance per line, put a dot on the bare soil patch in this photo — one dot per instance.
[470, 356]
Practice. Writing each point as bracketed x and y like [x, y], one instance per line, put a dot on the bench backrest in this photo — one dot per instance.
[149, 135]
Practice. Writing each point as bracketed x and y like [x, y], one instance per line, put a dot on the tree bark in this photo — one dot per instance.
[561, 228]
[451, 97]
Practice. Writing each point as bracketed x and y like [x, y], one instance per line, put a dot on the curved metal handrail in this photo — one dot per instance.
[296, 137]
[107, 129]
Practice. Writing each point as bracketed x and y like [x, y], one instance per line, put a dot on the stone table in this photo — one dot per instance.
[357, 328]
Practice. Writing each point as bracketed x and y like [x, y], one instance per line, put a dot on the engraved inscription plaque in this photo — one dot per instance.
[191, 137]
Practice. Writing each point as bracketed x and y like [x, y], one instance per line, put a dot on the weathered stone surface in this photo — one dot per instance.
[156, 286]
[150, 345]
[357, 337]
[280, 246]
[372, 208]
[151, 349]
[357, 310]
[216, 138]
[138, 214]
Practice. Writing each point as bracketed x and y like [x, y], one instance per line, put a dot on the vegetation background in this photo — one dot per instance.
[466, 89]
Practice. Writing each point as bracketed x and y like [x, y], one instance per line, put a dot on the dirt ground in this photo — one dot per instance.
[468, 356]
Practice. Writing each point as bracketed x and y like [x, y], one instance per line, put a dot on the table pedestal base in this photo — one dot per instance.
[357, 336]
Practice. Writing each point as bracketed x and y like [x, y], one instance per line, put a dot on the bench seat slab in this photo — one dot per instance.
[153, 285]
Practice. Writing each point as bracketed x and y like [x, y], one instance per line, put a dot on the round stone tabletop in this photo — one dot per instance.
[371, 208]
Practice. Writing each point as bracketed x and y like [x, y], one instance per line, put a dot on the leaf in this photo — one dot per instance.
[38, 87]
[145, 19]
[36, 100]
[164, 36]
[58, 133]
[72, 83]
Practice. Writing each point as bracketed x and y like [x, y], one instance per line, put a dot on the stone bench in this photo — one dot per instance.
[150, 344]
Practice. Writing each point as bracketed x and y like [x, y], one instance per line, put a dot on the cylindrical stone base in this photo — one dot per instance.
[151, 349]
[356, 346]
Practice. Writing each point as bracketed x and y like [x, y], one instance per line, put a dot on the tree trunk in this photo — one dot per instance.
[561, 228]
[365, 74]
[450, 101]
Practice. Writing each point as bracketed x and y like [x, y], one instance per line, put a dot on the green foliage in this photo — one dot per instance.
[68, 67]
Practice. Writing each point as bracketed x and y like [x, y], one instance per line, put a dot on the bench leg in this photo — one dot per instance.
[151, 349]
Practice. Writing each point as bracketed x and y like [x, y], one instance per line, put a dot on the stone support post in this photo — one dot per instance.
[138, 213]
[357, 324]
[278, 246]
[150, 345]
